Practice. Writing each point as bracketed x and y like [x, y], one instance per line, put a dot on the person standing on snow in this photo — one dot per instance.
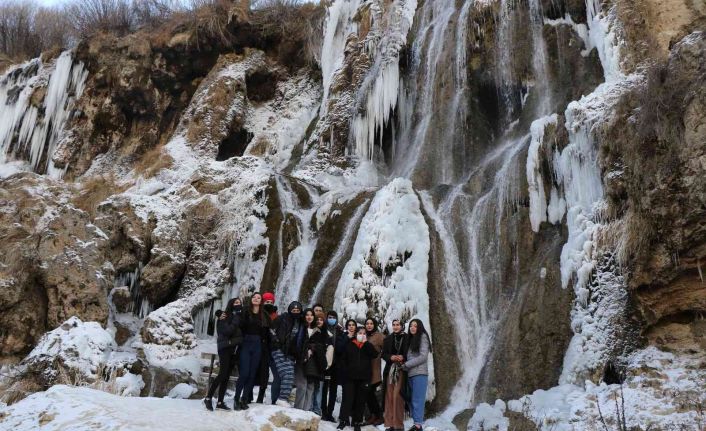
[266, 364]
[285, 333]
[255, 324]
[311, 362]
[417, 370]
[394, 351]
[229, 339]
[376, 339]
[358, 357]
[316, 403]
[333, 377]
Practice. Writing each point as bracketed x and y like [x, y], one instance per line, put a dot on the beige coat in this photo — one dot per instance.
[376, 340]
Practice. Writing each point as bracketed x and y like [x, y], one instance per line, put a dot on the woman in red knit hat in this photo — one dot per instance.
[266, 363]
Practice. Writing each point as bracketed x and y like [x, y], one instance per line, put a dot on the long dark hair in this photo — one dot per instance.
[261, 313]
[313, 322]
[415, 341]
[231, 304]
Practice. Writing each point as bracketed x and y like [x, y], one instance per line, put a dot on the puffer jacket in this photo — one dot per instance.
[229, 334]
[416, 364]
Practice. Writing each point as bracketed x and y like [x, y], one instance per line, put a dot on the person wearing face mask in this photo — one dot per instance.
[394, 351]
[334, 374]
[229, 338]
[285, 333]
[358, 362]
[376, 339]
[266, 364]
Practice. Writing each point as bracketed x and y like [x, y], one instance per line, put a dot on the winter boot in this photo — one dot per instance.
[342, 424]
[222, 406]
[243, 404]
[208, 403]
[356, 427]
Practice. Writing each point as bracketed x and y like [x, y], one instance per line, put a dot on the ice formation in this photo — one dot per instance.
[35, 103]
[378, 95]
[386, 276]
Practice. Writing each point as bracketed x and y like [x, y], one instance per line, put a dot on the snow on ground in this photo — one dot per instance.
[80, 408]
[662, 391]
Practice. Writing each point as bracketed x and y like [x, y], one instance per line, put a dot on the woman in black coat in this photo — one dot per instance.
[357, 359]
[229, 338]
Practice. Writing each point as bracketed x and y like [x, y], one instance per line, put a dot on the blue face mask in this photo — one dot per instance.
[331, 321]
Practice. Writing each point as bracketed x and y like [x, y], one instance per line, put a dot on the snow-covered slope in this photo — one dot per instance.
[76, 408]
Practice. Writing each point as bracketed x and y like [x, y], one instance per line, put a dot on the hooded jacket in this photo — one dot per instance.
[287, 330]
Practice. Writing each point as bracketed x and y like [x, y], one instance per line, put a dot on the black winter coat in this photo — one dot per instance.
[285, 332]
[358, 360]
[394, 344]
[314, 365]
[229, 334]
[337, 340]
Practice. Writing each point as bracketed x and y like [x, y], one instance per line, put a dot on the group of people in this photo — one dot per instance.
[308, 351]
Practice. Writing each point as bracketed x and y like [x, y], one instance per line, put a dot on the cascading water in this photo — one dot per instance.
[290, 281]
[35, 103]
[139, 305]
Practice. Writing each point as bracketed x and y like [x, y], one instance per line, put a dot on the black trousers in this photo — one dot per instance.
[372, 401]
[354, 395]
[328, 395]
[263, 374]
[226, 361]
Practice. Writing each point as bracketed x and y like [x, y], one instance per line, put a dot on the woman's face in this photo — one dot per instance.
[319, 322]
[237, 301]
[309, 316]
[396, 326]
[256, 299]
[413, 328]
[369, 325]
[351, 327]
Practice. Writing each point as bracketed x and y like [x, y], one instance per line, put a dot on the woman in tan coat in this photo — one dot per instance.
[394, 352]
[376, 339]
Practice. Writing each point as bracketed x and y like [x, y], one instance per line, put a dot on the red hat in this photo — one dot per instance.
[268, 296]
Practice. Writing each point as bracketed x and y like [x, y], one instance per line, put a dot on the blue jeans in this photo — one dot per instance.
[418, 387]
[276, 381]
[316, 403]
[250, 353]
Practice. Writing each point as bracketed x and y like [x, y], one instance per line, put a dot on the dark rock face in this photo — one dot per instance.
[658, 197]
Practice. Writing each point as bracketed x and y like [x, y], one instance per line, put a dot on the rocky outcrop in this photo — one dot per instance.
[658, 199]
[52, 267]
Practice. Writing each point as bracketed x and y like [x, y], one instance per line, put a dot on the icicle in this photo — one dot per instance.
[339, 24]
[538, 200]
[31, 132]
[378, 95]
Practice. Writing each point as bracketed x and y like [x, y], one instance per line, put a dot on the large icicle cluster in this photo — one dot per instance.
[35, 103]
[377, 97]
[386, 276]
